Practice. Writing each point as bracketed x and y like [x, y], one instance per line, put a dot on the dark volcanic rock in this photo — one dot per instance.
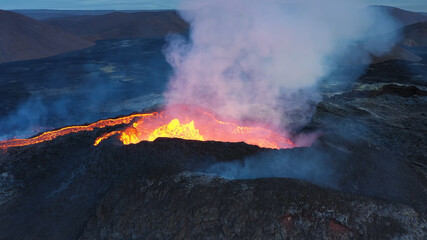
[112, 78]
[69, 189]
[371, 177]
[390, 89]
[396, 53]
[188, 206]
[386, 109]
[51, 189]
[372, 149]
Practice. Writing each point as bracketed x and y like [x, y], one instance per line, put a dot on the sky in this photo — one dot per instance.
[412, 5]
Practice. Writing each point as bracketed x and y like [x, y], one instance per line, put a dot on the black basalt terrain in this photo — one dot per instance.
[189, 206]
[365, 177]
[69, 189]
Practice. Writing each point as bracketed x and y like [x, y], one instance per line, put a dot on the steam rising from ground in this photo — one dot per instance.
[261, 60]
[309, 165]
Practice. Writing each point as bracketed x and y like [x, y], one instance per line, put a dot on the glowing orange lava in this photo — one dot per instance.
[176, 130]
[197, 125]
[186, 123]
[50, 135]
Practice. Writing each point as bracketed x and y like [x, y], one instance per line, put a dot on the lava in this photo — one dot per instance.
[193, 124]
[177, 130]
[185, 123]
[50, 135]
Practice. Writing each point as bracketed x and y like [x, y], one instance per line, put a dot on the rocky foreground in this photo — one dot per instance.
[68, 189]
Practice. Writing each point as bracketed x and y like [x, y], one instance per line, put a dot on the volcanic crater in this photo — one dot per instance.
[69, 188]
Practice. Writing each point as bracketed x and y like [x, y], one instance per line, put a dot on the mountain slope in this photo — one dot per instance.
[414, 35]
[403, 17]
[24, 38]
[40, 14]
[120, 25]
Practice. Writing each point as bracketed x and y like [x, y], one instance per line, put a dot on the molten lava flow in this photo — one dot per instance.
[50, 135]
[177, 130]
[197, 125]
[186, 123]
[105, 136]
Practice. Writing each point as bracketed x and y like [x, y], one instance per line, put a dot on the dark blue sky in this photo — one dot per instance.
[413, 5]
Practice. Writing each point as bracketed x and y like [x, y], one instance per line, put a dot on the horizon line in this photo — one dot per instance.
[162, 9]
[47, 9]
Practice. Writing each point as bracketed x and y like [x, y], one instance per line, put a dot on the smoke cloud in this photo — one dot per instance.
[261, 60]
[309, 164]
[371, 173]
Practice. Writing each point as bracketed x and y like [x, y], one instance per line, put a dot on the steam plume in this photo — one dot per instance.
[261, 60]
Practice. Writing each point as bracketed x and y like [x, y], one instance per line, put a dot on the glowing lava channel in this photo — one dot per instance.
[189, 124]
[197, 125]
[50, 135]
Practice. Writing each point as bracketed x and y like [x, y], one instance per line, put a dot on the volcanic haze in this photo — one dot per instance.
[261, 60]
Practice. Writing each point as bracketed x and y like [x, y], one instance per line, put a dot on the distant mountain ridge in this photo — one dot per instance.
[40, 14]
[23, 38]
[120, 25]
[411, 28]
[403, 17]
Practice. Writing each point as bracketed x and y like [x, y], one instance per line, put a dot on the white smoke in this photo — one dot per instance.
[261, 60]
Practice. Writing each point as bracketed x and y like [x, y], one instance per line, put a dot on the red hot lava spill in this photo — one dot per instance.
[191, 124]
